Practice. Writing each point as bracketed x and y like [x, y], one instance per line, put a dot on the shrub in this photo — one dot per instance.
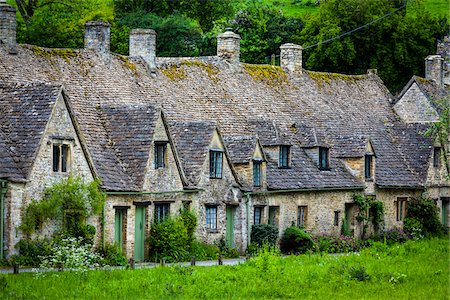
[413, 227]
[425, 211]
[203, 251]
[111, 256]
[71, 253]
[262, 233]
[225, 250]
[295, 240]
[335, 244]
[169, 239]
[31, 252]
[395, 235]
[189, 220]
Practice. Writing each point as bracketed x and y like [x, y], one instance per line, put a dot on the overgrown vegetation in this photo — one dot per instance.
[295, 241]
[422, 218]
[413, 270]
[370, 211]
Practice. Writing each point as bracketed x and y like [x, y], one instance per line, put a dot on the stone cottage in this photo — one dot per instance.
[240, 144]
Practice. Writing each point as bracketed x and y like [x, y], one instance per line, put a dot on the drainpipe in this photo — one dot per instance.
[3, 186]
[248, 218]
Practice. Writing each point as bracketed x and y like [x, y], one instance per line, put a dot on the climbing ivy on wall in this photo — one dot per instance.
[69, 203]
[365, 204]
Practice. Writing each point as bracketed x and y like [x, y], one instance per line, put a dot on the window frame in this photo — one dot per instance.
[436, 157]
[336, 217]
[324, 152]
[165, 213]
[61, 157]
[257, 172]
[215, 164]
[211, 218]
[160, 162]
[302, 215]
[284, 156]
[368, 164]
[400, 208]
[260, 209]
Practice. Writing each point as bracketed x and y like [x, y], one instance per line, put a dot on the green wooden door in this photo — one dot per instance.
[230, 226]
[118, 225]
[444, 211]
[139, 233]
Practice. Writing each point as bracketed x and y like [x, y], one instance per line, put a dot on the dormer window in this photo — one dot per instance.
[323, 158]
[257, 173]
[160, 155]
[61, 157]
[436, 157]
[215, 164]
[368, 159]
[284, 157]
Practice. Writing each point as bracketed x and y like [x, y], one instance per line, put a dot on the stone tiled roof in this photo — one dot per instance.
[241, 148]
[25, 110]
[334, 105]
[192, 140]
[350, 146]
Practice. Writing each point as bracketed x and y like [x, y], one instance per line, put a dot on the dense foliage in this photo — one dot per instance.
[264, 233]
[423, 218]
[396, 45]
[295, 240]
[414, 270]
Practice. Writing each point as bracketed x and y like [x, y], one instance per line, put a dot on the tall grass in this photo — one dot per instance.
[414, 270]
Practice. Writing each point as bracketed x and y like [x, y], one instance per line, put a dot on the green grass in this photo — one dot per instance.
[414, 270]
[440, 8]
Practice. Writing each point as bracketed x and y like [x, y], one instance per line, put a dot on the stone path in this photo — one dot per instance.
[208, 263]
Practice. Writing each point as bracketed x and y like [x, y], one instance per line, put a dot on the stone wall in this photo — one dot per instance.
[414, 107]
[8, 25]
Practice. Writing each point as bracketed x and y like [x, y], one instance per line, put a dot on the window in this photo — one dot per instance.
[160, 155]
[301, 216]
[368, 166]
[162, 211]
[61, 153]
[257, 217]
[436, 156]
[273, 215]
[211, 217]
[401, 208]
[284, 157]
[336, 217]
[215, 164]
[256, 173]
[323, 158]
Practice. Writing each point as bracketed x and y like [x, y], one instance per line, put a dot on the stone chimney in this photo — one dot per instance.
[434, 68]
[228, 46]
[96, 36]
[8, 26]
[143, 44]
[291, 57]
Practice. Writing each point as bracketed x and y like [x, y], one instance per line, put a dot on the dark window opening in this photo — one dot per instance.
[273, 215]
[162, 211]
[401, 208]
[336, 217]
[284, 157]
[160, 155]
[257, 173]
[257, 217]
[436, 157]
[323, 158]
[215, 164]
[368, 166]
[61, 156]
[301, 216]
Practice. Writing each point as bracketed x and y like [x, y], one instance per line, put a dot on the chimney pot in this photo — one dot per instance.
[143, 44]
[8, 26]
[97, 36]
[291, 57]
[228, 46]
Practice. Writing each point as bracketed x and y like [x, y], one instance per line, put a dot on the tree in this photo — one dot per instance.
[395, 45]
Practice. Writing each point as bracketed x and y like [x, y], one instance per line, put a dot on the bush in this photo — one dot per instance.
[225, 250]
[413, 227]
[203, 251]
[31, 252]
[335, 244]
[264, 233]
[425, 211]
[395, 235]
[111, 256]
[295, 240]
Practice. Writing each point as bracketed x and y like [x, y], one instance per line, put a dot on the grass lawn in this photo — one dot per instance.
[414, 270]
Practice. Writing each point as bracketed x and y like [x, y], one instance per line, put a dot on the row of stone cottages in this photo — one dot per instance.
[239, 144]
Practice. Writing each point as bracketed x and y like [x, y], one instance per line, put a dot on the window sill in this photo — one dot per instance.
[280, 167]
[369, 179]
[212, 231]
[215, 177]
[325, 169]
